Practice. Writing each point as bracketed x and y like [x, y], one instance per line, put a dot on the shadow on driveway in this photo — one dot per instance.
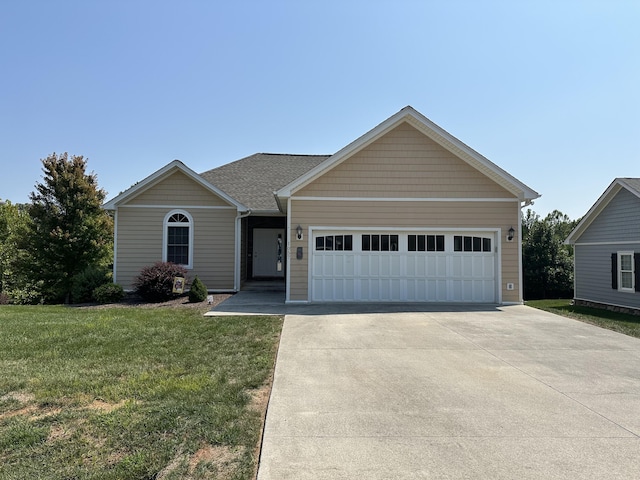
[252, 302]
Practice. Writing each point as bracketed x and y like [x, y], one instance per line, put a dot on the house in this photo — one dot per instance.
[404, 213]
[607, 249]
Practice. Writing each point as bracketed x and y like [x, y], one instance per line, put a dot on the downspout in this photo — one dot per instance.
[521, 280]
[236, 275]
[115, 245]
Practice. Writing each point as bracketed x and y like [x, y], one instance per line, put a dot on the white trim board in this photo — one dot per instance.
[404, 199]
[629, 242]
[191, 207]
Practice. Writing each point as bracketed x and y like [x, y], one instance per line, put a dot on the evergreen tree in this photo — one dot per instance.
[69, 230]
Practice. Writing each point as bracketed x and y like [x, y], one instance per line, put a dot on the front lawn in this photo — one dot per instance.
[132, 393]
[619, 322]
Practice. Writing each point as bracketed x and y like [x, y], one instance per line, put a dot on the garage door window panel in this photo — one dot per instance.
[334, 243]
[380, 243]
[425, 243]
[471, 244]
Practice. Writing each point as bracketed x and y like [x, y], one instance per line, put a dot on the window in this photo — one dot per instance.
[426, 243]
[379, 243]
[471, 244]
[334, 242]
[178, 238]
[626, 272]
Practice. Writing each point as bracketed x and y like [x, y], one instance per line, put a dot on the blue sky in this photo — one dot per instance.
[547, 90]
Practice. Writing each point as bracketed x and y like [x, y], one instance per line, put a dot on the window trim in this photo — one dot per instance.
[631, 289]
[165, 234]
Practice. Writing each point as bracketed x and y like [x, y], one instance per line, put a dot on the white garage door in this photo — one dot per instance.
[403, 267]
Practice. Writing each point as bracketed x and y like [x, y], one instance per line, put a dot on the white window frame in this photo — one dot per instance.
[165, 234]
[631, 289]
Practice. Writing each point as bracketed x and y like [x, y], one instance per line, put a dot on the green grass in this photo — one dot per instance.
[126, 393]
[619, 322]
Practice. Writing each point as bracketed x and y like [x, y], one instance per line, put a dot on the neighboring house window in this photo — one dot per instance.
[178, 238]
[335, 242]
[626, 273]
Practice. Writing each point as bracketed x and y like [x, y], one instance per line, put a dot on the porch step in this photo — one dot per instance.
[264, 286]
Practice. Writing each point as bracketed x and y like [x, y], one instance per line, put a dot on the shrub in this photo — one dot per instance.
[30, 293]
[155, 282]
[198, 291]
[4, 298]
[84, 283]
[108, 293]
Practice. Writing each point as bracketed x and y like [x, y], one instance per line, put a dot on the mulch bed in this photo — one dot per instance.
[133, 300]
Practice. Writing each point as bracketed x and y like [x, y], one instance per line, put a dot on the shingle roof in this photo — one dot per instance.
[252, 180]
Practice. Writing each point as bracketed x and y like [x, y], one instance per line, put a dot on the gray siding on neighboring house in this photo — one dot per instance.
[593, 275]
[610, 232]
[619, 221]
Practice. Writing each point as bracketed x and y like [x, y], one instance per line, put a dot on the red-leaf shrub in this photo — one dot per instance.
[155, 282]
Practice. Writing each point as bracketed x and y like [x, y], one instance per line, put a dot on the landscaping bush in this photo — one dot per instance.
[29, 293]
[155, 282]
[84, 283]
[108, 293]
[198, 292]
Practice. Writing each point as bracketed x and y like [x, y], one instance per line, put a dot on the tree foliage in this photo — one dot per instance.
[547, 262]
[69, 231]
[15, 284]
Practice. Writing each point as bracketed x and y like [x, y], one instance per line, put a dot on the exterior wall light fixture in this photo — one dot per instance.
[299, 232]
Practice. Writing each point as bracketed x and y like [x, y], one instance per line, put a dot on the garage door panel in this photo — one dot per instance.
[400, 275]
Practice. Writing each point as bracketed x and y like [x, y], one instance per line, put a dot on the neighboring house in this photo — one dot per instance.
[607, 249]
[405, 213]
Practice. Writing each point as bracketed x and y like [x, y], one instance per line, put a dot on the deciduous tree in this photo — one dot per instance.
[69, 230]
[547, 262]
[14, 225]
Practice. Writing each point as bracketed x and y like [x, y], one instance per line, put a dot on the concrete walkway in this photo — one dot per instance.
[497, 393]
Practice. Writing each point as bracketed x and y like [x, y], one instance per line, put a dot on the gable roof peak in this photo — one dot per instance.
[158, 175]
[434, 132]
[631, 184]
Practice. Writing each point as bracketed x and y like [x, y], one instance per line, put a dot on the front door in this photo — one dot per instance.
[268, 252]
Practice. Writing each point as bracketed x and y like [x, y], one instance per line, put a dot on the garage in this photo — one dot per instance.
[403, 266]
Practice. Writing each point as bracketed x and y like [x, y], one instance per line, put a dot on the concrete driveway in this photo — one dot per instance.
[496, 393]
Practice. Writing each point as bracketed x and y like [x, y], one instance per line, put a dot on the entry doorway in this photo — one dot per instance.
[268, 253]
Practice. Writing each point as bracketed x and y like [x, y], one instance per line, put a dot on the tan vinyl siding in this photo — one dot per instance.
[140, 237]
[490, 215]
[404, 163]
[179, 190]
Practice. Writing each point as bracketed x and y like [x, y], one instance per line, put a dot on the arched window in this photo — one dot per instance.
[178, 238]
